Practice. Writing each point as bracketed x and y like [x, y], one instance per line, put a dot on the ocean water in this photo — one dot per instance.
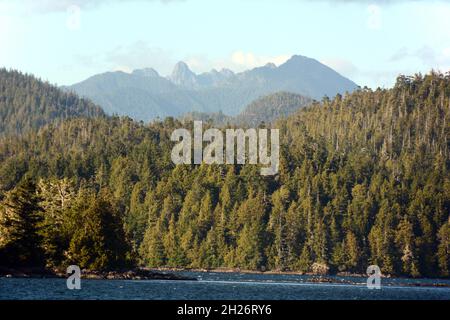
[223, 286]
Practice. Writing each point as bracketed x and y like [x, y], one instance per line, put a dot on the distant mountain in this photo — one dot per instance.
[217, 118]
[29, 103]
[144, 94]
[265, 109]
[183, 76]
[272, 107]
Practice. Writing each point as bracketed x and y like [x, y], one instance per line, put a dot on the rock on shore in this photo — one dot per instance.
[134, 274]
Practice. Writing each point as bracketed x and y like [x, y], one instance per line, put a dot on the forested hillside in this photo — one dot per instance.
[28, 103]
[364, 179]
[263, 110]
[272, 107]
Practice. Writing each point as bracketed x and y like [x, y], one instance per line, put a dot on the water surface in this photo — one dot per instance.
[223, 286]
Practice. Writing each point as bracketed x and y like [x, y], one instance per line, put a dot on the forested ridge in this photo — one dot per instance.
[363, 180]
[29, 103]
[265, 109]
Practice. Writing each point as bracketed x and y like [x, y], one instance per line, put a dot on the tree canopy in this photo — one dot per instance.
[364, 179]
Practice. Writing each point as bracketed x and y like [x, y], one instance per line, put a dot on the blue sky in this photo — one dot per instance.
[66, 41]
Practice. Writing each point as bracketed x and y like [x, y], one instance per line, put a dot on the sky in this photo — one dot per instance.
[370, 42]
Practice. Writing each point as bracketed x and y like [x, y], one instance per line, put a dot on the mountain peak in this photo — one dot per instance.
[226, 72]
[183, 76]
[146, 72]
[182, 68]
[270, 65]
[296, 59]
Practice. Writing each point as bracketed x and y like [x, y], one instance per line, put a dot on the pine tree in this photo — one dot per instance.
[444, 250]
[98, 242]
[20, 219]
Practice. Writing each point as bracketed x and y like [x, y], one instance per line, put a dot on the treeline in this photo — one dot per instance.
[28, 103]
[363, 180]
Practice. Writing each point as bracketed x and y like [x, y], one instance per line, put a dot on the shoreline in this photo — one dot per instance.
[174, 274]
[315, 277]
[130, 274]
[275, 272]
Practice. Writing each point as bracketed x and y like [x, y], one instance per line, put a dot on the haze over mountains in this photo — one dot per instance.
[145, 95]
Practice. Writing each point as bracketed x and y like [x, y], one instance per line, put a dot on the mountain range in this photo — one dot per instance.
[145, 95]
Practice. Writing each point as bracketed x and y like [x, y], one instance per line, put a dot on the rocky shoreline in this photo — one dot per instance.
[173, 274]
[313, 277]
[133, 274]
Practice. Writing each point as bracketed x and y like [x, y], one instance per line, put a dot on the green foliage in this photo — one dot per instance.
[364, 179]
[271, 107]
[20, 216]
[98, 241]
[51, 224]
[28, 103]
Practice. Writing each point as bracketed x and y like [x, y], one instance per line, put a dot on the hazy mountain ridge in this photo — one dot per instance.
[145, 95]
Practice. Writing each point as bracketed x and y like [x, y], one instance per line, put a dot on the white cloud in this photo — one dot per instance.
[251, 60]
[400, 54]
[127, 58]
[237, 61]
[430, 58]
[45, 6]
[383, 2]
[142, 55]
[372, 77]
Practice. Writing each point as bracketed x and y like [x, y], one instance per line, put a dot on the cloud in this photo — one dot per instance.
[431, 58]
[377, 76]
[47, 6]
[141, 54]
[237, 61]
[399, 55]
[380, 2]
[251, 60]
[127, 58]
